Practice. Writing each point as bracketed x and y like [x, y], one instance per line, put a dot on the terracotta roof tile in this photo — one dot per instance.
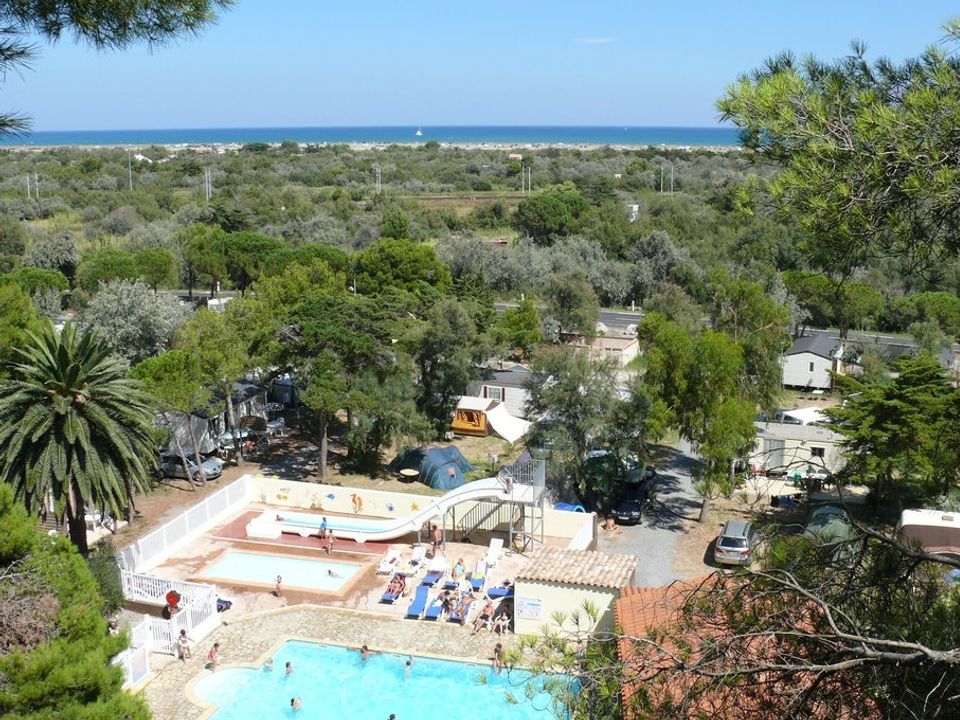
[579, 567]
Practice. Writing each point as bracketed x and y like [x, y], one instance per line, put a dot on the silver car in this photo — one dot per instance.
[172, 466]
[735, 544]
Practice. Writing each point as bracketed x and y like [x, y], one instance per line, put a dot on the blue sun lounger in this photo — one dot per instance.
[432, 578]
[477, 582]
[499, 592]
[419, 602]
[459, 613]
[433, 612]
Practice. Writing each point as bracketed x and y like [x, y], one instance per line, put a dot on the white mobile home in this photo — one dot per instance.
[810, 361]
[788, 448]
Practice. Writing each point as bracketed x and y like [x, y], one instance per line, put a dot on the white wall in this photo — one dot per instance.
[542, 599]
[798, 454]
[515, 398]
[796, 371]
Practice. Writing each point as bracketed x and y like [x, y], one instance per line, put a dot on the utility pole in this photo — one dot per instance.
[130, 169]
[28, 186]
[523, 180]
[661, 178]
[529, 179]
[36, 184]
[671, 178]
[376, 169]
[207, 184]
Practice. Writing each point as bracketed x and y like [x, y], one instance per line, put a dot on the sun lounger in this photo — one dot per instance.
[435, 572]
[500, 592]
[388, 563]
[479, 577]
[477, 582]
[419, 602]
[431, 578]
[461, 612]
[433, 612]
[451, 585]
[493, 552]
[418, 555]
[389, 597]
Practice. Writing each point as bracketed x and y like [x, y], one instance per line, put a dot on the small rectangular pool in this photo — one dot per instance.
[241, 567]
[333, 682]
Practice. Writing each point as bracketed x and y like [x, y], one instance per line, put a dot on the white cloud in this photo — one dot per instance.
[595, 40]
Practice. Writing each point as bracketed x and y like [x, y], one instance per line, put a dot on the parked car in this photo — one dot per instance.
[172, 466]
[736, 544]
[628, 510]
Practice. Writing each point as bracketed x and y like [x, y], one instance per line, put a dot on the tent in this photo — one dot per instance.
[482, 416]
[441, 468]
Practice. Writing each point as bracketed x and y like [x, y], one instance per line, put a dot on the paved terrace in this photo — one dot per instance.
[362, 593]
[250, 639]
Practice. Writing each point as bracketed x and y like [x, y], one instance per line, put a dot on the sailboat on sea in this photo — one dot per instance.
[419, 131]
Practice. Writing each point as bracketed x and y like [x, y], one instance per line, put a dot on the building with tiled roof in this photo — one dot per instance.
[561, 581]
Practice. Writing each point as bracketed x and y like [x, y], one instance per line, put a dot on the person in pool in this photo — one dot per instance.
[295, 703]
[289, 668]
[408, 667]
[498, 657]
[268, 665]
[365, 652]
[332, 573]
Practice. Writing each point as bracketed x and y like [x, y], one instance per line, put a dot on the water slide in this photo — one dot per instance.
[271, 524]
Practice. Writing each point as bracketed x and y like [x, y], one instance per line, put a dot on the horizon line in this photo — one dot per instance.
[382, 127]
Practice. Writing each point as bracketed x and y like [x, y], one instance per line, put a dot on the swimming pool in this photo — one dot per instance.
[253, 568]
[332, 682]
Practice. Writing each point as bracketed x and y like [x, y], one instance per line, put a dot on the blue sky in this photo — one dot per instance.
[390, 62]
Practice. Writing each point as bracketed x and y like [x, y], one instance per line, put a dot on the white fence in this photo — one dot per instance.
[197, 614]
[158, 545]
[135, 660]
[198, 617]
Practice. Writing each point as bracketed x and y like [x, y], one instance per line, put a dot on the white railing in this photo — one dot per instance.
[152, 589]
[135, 660]
[198, 617]
[158, 545]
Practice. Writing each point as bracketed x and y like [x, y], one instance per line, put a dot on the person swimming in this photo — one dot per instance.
[295, 703]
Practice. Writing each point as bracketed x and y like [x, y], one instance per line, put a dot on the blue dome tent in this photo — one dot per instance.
[441, 468]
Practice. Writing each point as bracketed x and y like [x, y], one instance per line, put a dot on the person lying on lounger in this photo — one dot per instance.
[486, 612]
[397, 585]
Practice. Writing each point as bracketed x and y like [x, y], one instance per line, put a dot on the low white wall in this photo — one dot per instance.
[271, 490]
[536, 603]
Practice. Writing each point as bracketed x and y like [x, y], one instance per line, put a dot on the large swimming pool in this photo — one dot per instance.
[332, 682]
[241, 567]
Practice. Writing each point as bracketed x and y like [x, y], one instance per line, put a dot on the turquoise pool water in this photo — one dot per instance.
[262, 568]
[332, 682]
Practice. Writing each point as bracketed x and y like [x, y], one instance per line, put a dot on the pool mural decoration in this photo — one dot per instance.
[321, 499]
[334, 681]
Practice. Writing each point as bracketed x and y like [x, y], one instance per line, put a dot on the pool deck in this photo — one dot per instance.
[362, 594]
[246, 640]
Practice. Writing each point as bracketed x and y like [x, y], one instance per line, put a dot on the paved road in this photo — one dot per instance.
[655, 538]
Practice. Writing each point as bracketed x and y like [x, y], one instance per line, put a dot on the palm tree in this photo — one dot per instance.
[74, 429]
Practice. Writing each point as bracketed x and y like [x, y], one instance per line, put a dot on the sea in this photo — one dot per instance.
[458, 134]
